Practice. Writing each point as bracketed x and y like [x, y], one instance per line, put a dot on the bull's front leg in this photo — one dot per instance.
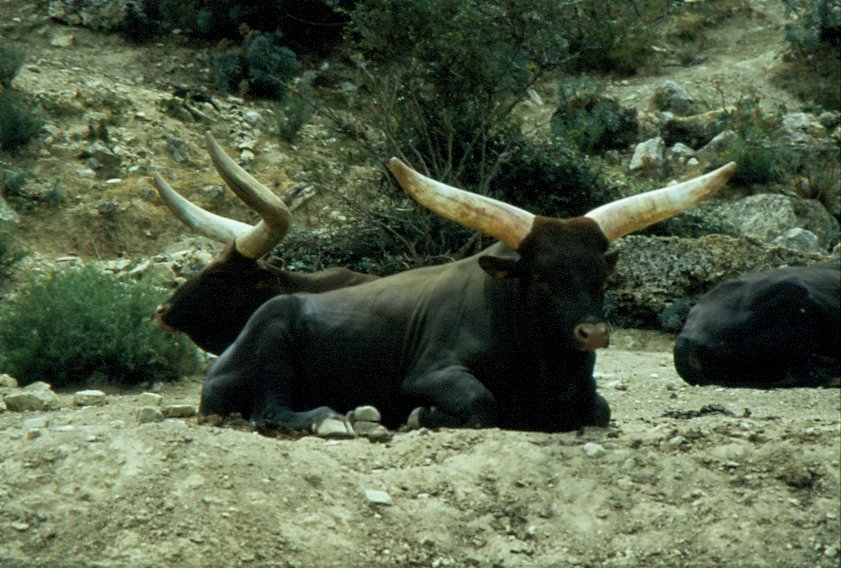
[453, 398]
[257, 377]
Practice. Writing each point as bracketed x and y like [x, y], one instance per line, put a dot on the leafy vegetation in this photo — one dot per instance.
[19, 122]
[761, 157]
[610, 37]
[813, 71]
[449, 79]
[11, 60]
[261, 67]
[72, 324]
[10, 255]
[591, 122]
[818, 23]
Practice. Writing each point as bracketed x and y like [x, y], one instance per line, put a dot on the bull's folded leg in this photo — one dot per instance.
[260, 384]
[599, 414]
[455, 398]
[323, 421]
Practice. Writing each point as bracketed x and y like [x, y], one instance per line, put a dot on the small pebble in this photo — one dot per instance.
[377, 497]
[149, 414]
[89, 398]
[149, 399]
[592, 449]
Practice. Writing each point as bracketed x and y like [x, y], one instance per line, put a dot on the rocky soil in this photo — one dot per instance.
[684, 476]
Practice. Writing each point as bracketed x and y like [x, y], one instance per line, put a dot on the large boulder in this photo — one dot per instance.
[695, 130]
[768, 217]
[653, 273]
[671, 97]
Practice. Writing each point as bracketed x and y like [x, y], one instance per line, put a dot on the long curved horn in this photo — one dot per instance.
[636, 212]
[204, 222]
[276, 217]
[271, 208]
[495, 218]
[251, 241]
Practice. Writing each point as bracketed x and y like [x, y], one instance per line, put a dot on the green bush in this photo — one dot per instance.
[296, 112]
[550, 177]
[262, 67]
[591, 122]
[812, 70]
[314, 27]
[452, 73]
[818, 23]
[271, 67]
[760, 157]
[449, 78]
[10, 255]
[614, 37]
[18, 121]
[71, 324]
[11, 59]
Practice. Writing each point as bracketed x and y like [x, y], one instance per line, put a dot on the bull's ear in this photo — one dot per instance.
[498, 266]
[610, 258]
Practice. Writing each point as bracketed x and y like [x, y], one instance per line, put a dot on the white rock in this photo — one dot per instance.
[88, 397]
[377, 497]
[333, 428]
[149, 414]
[8, 381]
[366, 414]
[24, 400]
[648, 154]
[149, 399]
[593, 450]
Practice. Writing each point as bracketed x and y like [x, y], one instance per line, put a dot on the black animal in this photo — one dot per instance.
[213, 306]
[505, 337]
[778, 328]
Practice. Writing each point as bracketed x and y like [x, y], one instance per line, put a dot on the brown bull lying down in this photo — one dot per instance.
[505, 337]
[213, 306]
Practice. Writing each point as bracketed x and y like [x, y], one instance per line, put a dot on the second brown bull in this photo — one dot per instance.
[213, 306]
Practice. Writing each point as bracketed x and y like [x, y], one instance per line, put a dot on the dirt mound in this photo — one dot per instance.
[685, 476]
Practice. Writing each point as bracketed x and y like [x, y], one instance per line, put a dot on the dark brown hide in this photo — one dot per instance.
[489, 340]
[505, 337]
[213, 306]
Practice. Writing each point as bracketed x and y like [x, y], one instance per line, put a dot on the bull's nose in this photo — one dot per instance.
[592, 336]
[687, 362]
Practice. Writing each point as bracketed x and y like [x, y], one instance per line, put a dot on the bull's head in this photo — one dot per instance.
[213, 306]
[561, 264]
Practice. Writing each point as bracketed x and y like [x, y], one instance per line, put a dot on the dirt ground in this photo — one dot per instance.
[684, 476]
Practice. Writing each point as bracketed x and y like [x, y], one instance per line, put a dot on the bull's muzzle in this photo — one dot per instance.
[688, 362]
[592, 336]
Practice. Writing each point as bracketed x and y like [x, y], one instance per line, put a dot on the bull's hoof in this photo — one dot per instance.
[210, 420]
[333, 427]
